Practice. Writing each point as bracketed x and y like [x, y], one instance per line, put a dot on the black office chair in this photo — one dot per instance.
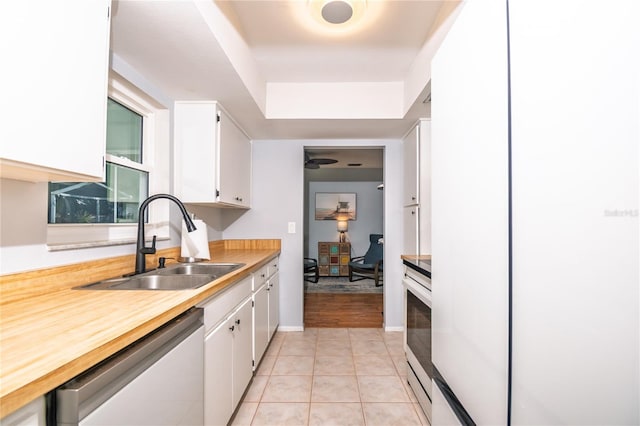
[311, 271]
[369, 265]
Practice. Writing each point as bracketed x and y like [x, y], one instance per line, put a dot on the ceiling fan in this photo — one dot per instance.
[315, 163]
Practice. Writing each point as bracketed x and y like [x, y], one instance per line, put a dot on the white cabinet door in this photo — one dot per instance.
[235, 163]
[417, 188]
[228, 364]
[411, 225]
[411, 167]
[54, 89]
[212, 156]
[260, 323]
[470, 210]
[195, 134]
[424, 190]
[218, 374]
[576, 132]
[242, 350]
[274, 304]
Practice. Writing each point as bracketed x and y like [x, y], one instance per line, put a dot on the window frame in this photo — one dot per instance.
[155, 121]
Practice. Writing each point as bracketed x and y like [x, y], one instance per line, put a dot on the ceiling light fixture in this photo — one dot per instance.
[337, 15]
[337, 11]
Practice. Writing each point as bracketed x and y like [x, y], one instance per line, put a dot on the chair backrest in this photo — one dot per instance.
[375, 249]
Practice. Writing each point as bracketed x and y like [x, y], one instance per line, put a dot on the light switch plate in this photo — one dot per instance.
[292, 227]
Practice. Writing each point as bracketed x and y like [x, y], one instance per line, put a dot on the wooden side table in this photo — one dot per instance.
[333, 259]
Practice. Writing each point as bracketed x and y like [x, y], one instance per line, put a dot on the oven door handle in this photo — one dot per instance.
[417, 289]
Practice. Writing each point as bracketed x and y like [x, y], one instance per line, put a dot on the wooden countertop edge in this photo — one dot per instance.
[16, 398]
[415, 257]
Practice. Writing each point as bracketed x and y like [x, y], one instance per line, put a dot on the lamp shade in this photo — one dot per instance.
[343, 225]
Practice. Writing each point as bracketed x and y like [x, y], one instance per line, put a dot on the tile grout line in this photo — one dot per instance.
[355, 372]
[314, 371]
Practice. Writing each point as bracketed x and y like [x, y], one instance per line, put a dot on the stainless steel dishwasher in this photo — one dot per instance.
[157, 380]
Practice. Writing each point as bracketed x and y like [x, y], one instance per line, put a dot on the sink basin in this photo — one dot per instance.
[214, 269]
[163, 282]
[151, 282]
[175, 277]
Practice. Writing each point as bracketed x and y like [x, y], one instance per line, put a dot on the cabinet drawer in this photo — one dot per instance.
[273, 266]
[260, 277]
[219, 306]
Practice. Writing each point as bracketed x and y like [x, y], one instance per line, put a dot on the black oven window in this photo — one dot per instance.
[419, 331]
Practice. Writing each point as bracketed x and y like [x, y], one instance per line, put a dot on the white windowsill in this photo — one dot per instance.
[91, 244]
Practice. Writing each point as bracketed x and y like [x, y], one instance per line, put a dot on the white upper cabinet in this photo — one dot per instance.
[213, 156]
[411, 168]
[54, 89]
[234, 172]
[417, 188]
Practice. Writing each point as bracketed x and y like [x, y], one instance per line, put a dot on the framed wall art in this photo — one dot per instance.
[335, 206]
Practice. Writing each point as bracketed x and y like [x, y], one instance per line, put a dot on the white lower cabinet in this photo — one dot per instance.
[239, 324]
[273, 288]
[228, 354]
[266, 310]
[260, 322]
[242, 354]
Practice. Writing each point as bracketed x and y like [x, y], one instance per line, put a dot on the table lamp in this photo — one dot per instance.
[343, 226]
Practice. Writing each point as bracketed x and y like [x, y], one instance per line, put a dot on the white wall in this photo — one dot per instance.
[278, 198]
[369, 205]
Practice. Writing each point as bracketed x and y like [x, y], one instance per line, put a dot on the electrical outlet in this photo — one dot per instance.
[292, 227]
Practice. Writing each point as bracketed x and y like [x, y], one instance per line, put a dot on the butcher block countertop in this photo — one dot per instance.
[50, 333]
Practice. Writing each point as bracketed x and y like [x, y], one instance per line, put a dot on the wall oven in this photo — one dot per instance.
[417, 286]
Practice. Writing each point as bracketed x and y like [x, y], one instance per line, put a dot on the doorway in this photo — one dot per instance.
[344, 205]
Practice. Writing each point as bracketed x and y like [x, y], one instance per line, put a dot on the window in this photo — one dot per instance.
[118, 198]
[88, 214]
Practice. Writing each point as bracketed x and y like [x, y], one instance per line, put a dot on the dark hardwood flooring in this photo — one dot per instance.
[342, 310]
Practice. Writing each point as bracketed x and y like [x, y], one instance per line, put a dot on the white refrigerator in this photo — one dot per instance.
[535, 223]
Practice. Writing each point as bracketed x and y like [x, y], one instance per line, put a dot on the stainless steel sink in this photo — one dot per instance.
[163, 282]
[175, 277]
[214, 269]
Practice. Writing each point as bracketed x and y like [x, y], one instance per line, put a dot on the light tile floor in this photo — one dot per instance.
[332, 376]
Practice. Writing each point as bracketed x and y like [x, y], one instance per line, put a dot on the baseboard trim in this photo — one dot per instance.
[290, 328]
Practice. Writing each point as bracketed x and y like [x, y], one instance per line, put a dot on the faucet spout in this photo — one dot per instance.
[141, 248]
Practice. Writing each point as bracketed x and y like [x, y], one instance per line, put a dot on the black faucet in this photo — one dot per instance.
[141, 248]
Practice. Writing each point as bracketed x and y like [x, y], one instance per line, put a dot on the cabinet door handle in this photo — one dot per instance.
[238, 322]
[233, 327]
[413, 212]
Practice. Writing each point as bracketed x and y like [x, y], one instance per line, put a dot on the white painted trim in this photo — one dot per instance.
[288, 329]
[75, 236]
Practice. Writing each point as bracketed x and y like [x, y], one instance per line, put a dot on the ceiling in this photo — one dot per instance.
[281, 74]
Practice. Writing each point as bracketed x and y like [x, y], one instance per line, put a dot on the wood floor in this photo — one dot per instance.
[342, 310]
